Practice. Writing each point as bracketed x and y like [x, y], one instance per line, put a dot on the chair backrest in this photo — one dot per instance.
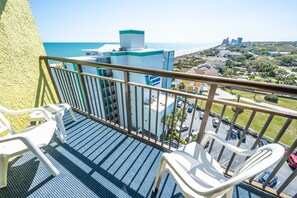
[4, 124]
[263, 158]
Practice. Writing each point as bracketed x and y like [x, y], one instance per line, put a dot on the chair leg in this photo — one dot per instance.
[61, 133]
[229, 193]
[159, 175]
[3, 170]
[38, 153]
[69, 108]
[72, 114]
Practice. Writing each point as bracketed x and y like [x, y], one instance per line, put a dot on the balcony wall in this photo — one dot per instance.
[23, 83]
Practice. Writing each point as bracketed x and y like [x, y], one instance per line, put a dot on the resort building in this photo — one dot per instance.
[106, 93]
[217, 62]
[202, 69]
[133, 53]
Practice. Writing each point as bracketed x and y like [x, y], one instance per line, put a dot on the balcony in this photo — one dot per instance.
[96, 161]
[118, 157]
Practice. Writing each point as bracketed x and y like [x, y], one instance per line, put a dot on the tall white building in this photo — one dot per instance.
[133, 53]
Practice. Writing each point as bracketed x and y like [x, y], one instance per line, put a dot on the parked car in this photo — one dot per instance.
[262, 142]
[174, 143]
[201, 114]
[292, 160]
[190, 109]
[179, 104]
[233, 135]
[239, 134]
[185, 127]
[215, 121]
[191, 136]
[190, 103]
[272, 183]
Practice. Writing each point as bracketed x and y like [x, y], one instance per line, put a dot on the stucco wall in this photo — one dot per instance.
[24, 82]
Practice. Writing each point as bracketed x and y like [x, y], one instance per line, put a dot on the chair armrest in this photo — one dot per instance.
[34, 149]
[40, 109]
[240, 151]
[182, 174]
[10, 138]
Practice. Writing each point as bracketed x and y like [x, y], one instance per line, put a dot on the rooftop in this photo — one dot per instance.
[104, 48]
[96, 161]
[204, 69]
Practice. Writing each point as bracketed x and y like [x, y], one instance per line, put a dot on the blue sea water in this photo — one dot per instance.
[75, 49]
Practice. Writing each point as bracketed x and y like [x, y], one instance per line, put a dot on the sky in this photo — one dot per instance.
[166, 20]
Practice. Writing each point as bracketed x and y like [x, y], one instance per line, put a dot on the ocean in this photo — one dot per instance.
[75, 49]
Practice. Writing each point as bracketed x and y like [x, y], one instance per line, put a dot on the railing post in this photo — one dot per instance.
[211, 94]
[83, 87]
[128, 101]
[45, 59]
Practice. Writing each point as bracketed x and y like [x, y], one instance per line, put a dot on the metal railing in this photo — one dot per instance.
[121, 103]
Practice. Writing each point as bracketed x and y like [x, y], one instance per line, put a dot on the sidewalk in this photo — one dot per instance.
[226, 95]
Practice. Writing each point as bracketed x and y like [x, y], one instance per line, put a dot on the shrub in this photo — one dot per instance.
[182, 141]
[240, 110]
[226, 119]
[271, 98]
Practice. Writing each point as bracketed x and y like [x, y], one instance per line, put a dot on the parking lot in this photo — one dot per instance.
[282, 174]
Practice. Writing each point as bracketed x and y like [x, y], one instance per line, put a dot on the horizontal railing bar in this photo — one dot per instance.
[174, 92]
[91, 75]
[62, 69]
[102, 77]
[251, 85]
[257, 108]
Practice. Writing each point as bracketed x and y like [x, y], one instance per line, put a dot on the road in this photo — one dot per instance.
[226, 95]
[282, 174]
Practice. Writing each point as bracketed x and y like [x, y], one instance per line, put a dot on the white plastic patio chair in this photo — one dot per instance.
[29, 139]
[199, 175]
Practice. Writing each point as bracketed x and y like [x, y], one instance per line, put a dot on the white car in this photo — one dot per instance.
[191, 136]
[179, 104]
[201, 114]
[215, 121]
[185, 127]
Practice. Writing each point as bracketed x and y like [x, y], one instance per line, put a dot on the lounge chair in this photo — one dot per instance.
[198, 174]
[30, 139]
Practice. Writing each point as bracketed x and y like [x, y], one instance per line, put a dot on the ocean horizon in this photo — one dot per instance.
[73, 49]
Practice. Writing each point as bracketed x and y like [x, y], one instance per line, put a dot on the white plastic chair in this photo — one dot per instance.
[199, 175]
[56, 112]
[29, 139]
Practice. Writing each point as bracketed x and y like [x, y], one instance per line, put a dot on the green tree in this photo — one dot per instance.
[181, 86]
[180, 115]
[167, 120]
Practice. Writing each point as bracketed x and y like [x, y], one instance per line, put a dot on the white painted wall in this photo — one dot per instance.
[153, 62]
[132, 41]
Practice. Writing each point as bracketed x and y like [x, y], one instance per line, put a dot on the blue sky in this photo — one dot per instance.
[166, 20]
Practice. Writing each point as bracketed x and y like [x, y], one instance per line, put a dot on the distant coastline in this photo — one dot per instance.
[190, 51]
[73, 49]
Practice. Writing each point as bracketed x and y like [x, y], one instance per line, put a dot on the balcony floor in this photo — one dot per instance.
[96, 161]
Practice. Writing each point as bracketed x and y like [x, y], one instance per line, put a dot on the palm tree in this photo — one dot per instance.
[167, 120]
[180, 115]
